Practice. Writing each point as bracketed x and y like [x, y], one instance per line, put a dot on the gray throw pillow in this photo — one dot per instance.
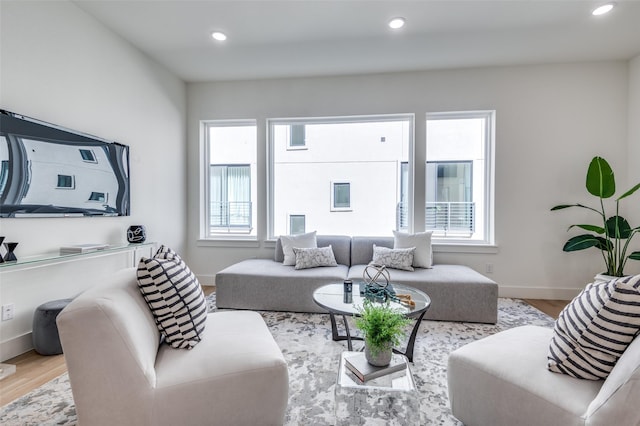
[314, 257]
[394, 258]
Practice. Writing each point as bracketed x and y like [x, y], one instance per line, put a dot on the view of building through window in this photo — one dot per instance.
[346, 180]
[231, 169]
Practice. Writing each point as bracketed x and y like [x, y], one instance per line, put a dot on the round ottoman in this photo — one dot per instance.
[45, 330]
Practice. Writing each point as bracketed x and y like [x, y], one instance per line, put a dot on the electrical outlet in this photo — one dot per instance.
[488, 268]
[7, 312]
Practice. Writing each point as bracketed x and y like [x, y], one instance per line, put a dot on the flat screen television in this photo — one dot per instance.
[50, 171]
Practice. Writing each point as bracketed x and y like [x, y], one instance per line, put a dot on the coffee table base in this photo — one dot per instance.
[408, 352]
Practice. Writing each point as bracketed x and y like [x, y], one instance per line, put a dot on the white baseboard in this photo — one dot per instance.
[207, 280]
[16, 346]
[538, 293]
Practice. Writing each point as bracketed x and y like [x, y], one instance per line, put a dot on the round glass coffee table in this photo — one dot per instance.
[333, 298]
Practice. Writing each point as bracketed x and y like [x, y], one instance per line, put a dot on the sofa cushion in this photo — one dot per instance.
[314, 257]
[423, 256]
[393, 258]
[362, 248]
[594, 330]
[175, 298]
[307, 240]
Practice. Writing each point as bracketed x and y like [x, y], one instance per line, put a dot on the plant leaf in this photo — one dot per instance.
[604, 244]
[620, 224]
[581, 242]
[600, 179]
[635, 255]
[592, 228]
[629, 192]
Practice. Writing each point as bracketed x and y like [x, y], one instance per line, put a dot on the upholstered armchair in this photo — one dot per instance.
[121, 373]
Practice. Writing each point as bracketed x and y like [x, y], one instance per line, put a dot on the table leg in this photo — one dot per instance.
[337, 337]
[412, 339]
[346, 329]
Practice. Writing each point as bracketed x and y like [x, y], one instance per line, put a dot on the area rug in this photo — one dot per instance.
[312, 358]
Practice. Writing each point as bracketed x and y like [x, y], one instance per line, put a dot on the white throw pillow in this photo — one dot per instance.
[288, 242]
[594, 330]
[394, 258]
[313, 257]
[423, 256]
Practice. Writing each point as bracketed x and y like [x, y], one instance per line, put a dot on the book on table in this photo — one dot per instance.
[364, 371]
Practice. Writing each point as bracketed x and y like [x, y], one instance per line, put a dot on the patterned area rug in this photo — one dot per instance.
[313, 360]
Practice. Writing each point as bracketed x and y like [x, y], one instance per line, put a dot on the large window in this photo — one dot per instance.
[229, 179]
[459, 187]
[346, 180]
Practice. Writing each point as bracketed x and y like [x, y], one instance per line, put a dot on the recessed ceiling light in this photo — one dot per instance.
[601, 10]
[396, 23]
[217, 35]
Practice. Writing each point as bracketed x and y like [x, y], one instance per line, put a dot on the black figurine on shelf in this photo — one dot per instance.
[136, 234]
[1, 258]
[10, 256]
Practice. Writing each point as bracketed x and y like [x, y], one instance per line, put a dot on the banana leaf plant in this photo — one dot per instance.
[614, 234]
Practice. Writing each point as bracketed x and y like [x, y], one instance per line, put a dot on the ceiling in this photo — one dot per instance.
[271, 39]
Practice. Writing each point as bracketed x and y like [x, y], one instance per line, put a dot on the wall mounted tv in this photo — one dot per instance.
[50, 171]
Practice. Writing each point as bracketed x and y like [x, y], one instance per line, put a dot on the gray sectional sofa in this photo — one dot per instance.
[458, 293]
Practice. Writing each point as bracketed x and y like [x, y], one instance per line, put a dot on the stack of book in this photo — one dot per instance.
[82, 248]
[364, 371]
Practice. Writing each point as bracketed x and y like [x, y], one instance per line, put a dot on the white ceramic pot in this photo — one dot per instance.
[381, 359]
[600, 278]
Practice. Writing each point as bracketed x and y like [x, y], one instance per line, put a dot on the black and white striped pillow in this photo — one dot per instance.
[175, 298]
[594, 330]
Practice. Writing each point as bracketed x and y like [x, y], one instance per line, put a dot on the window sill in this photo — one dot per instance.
[229, 242]
[444, 247]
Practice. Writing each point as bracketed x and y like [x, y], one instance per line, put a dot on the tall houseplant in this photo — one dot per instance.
[614, 233]
[383, 327]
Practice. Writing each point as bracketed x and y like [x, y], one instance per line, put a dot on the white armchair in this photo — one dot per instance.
[502, 380]
[121, 374]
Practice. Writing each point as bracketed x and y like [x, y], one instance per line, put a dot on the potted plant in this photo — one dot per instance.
[614, 233]
[383, 327]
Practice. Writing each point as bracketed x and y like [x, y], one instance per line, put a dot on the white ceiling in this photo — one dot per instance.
[270, 38]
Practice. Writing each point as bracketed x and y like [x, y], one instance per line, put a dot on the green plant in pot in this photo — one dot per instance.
[614, 233]
[383, 327]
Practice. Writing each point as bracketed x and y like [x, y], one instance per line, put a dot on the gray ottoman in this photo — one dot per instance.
[45, 331]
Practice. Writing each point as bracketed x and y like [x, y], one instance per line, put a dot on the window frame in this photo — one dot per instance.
[333, 207]
[271, 122]
[297, 215]
[72, 181]
[488, 199]
[204, 182]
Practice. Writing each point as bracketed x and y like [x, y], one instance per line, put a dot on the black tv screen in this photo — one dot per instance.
[50, 171]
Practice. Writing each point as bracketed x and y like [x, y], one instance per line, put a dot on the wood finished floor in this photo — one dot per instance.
[34, 370]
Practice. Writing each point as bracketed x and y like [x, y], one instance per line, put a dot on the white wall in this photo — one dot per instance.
[633, 158]
[60, 65]
[551, 120]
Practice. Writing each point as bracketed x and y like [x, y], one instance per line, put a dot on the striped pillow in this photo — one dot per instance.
[175, 298]
[594, 330]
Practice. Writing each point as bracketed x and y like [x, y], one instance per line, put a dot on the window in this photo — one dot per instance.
[88, 156]
[297, 137]
[459, 188]
[346, 152]
[341, 196]
[229, 172]
[66, 182]
[98, 196]
[297, 224]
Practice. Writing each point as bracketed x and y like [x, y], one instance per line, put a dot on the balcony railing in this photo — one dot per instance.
[454, 217]
[230, 215]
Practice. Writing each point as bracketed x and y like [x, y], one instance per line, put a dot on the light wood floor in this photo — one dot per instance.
[33, 370]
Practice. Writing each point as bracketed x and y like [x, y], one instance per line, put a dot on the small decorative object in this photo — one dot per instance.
[614, 234]
[136, 234]
[383, 328]
[376, 274]
[10, 256]
[1, 240]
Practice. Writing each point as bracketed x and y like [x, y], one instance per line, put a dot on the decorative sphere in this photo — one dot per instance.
[376, 274]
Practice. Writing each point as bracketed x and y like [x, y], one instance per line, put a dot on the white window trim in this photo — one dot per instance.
[489, 176]
[203, 197]
[289, 221]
